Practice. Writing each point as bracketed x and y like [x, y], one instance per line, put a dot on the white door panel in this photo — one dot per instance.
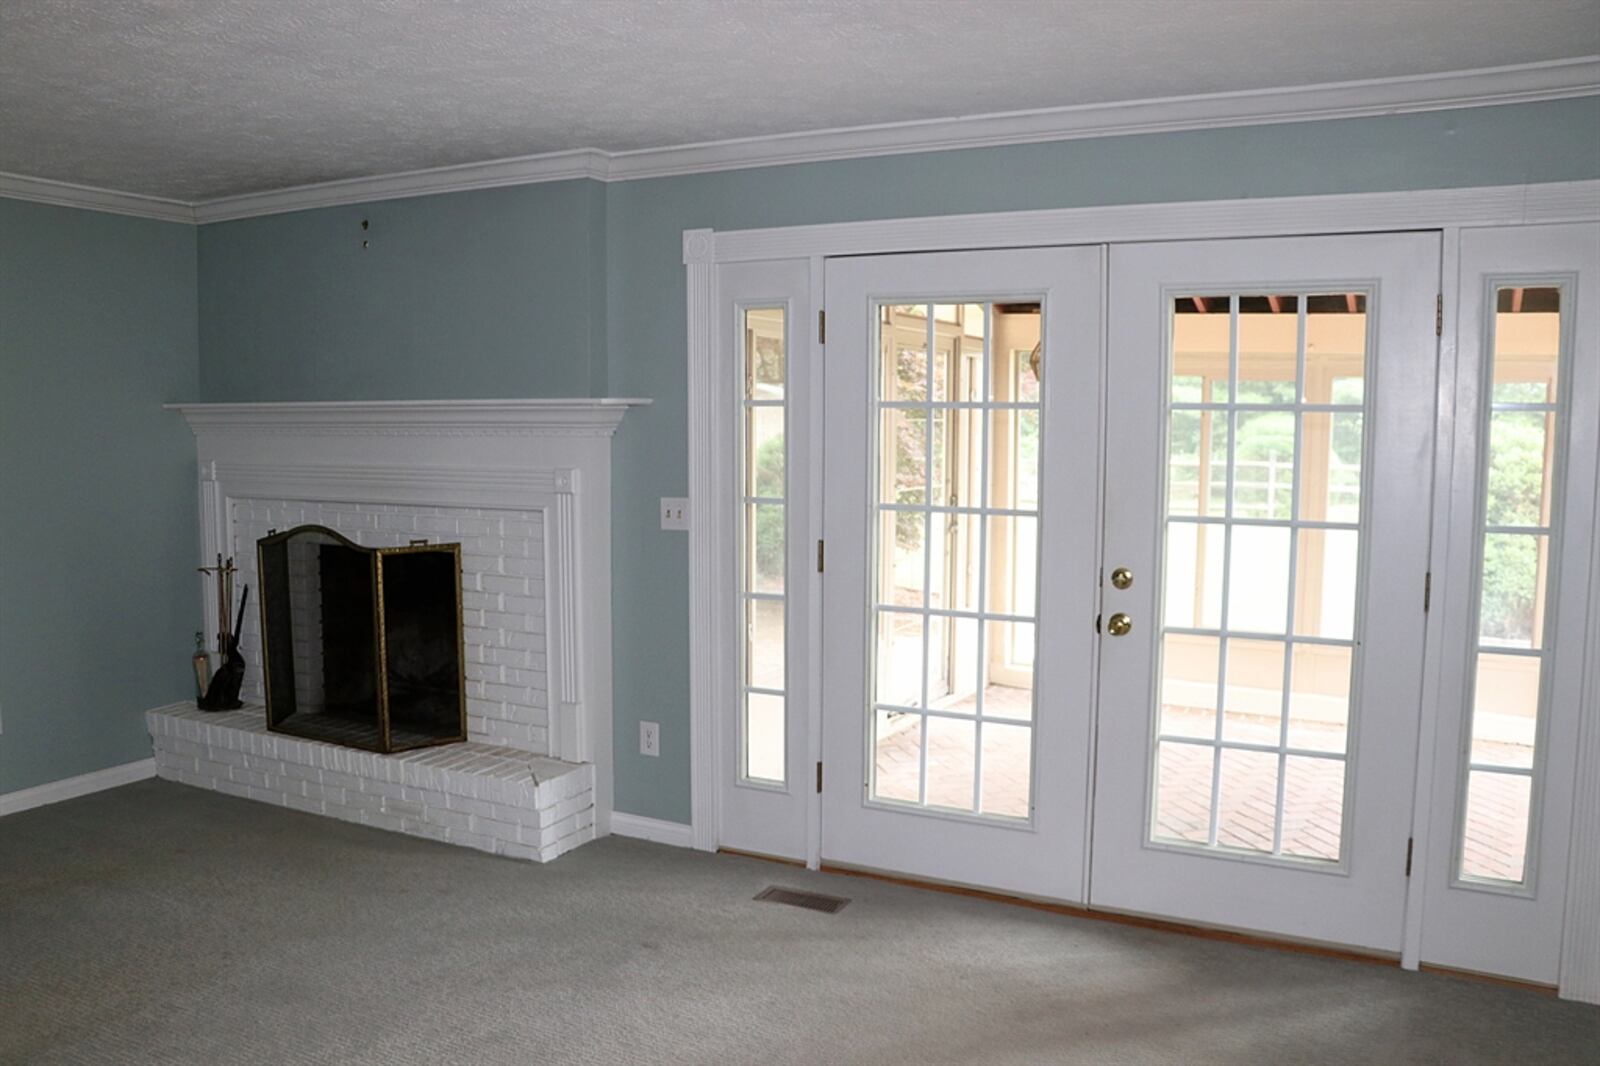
[764, 315]
[961, 428]
[1518, 590]
[1271, 408]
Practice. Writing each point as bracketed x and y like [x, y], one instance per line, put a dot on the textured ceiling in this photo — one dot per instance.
[193, 100]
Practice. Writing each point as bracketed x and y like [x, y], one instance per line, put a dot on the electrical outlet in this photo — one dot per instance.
[674, 512]
[649, 738]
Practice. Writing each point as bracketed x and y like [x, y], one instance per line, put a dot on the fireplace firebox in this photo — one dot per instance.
[362, 646]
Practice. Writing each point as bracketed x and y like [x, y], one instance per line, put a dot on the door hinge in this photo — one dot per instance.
[1438, 315]
[1427, 591]
[822, 327]
[820, 556]
[1410, 843]
[819, 775]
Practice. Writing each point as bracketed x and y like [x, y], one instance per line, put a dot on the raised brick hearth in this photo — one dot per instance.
[483, 796]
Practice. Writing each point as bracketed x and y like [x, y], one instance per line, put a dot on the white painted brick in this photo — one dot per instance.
[472, 840]
[497, 829]
[302, 803]
[475, 794]
[382, 820]
[428, 831]
[566, 808]
[448, 819]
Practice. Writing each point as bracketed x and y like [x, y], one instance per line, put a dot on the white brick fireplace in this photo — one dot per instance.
[524, 487]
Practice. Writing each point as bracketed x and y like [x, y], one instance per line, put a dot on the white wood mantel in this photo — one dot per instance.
[547, 455]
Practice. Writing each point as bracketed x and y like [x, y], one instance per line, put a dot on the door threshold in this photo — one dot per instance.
[1139, 921]
[1494, 979]
[741, 853]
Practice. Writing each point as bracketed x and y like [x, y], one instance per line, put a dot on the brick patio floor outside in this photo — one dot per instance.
[1313, 789]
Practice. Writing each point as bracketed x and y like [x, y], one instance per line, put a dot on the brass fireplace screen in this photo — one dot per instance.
[362, 646]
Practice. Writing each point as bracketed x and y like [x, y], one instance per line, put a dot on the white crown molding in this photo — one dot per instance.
[1355, 99]
[588, 417]
[1525, 83]
[525, 170]
[89, 198]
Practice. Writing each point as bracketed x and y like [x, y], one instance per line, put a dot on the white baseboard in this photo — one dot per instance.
[73, 787]
[654, 829]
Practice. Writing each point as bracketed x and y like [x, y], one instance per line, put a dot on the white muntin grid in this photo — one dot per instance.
[1538, 648]
[1232, 410]
[937, 419]
[752, 506]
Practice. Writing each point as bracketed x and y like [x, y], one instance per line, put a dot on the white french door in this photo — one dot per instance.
[1519, 586]
[1266, 540]
[961, 426]
[1125, 597]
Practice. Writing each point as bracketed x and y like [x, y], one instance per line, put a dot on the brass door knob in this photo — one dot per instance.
[1119, 624]
[1122, 577]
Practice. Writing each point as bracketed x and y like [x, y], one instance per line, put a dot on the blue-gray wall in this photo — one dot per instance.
[493, 293]
[98, 599]
[499, 293]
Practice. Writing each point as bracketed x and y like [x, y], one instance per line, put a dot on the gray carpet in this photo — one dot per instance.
[157, 923]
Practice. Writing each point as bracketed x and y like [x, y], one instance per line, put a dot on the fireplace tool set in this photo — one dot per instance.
[221, 693]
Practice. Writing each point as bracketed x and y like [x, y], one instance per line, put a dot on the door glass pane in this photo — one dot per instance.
[1247, 799]
[1319, 697]
[765, 658]
[1505, 710]
[1336, 349]
[1189, 665]
[1197, 463]
[764, 739]
[1268, 347]
[952, 763]
[1201, 329]
[1194, 575]
[956, 544]
[1518, 471]
[1183, 792]
[1258, 579]
[1262, 568]
[763, 547]
[897, 751]
[1263, 464]
[903, 348]
[904, 474]
[898, 666]
[1494, 838]
[1520, 429]
[1313, 807]
[1007, 755]
[765, 544]
[1252, 708]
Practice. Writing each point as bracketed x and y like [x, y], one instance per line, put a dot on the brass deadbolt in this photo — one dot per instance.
[1122, 577]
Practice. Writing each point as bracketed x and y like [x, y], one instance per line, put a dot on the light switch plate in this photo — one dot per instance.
[674, 512]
